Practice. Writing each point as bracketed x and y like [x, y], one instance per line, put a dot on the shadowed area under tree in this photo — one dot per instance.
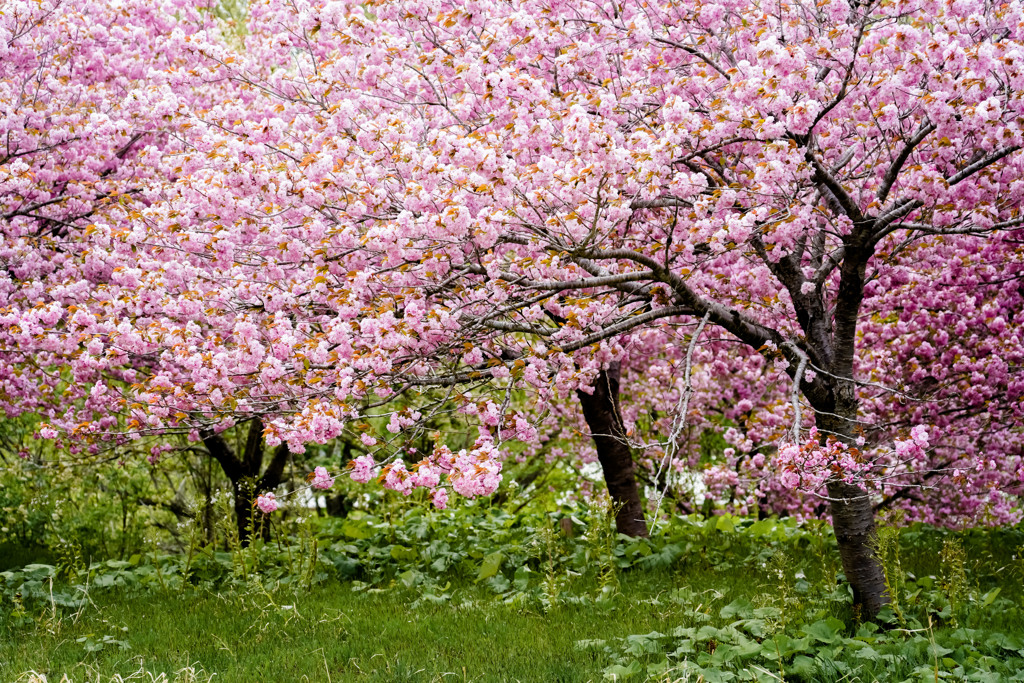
[244, 473]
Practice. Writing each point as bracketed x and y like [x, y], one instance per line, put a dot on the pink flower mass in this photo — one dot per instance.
[266, 503]
[336, 221]
[362, 469]
[321, 479]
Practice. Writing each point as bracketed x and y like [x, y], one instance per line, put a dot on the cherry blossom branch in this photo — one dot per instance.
[794, 395]
[679, 422]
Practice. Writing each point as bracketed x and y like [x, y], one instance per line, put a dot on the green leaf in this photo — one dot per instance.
[498, 583]
[990, 597]
[741, 608]
[659, 668]
[786, 646]
[522, 578]
[761, 527]
[723, 655]
[617, 672]
[401, 553]
[37, 572]
[804, 666]
[826, 631]
[410, 578]
[643, 644]
[717, 676]
[490, 565]
[865, 651]
[707, 633]
[354, 530]
[726, 523]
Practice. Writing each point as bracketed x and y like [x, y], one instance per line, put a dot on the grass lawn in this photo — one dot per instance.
[335, 634]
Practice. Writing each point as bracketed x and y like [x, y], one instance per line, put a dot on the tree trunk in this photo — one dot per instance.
[853, 517]
[854, 526]
[853, 522]
[601, 411]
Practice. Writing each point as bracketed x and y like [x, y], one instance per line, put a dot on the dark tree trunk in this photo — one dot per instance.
[853, 518]
[244, 474]
[601, 411]
[854, 524]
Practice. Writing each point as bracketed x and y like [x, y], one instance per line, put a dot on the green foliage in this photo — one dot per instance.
[954, 575]
[412, 593]
[54, 512]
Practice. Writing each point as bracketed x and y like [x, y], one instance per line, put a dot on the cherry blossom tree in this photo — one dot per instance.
[448, 202]
[97, 122]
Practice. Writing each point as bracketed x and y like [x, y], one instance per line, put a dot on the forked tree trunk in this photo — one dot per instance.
[244, 474]
[601, 411]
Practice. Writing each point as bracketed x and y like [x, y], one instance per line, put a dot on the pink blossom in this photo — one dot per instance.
[362, 469]
[321, 479]
[920, 435]
[398, 478]
[267, 503]
[790, 479]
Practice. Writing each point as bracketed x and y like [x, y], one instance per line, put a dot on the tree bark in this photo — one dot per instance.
[853, 522]
[853, 516]
[601, 411]
[854, 525]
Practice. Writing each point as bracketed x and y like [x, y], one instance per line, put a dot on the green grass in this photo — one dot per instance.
[334, 633]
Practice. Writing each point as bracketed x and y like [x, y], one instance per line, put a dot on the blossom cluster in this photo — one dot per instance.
[470, 473]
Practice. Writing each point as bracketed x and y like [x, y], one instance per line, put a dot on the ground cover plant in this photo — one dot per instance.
[483, 594]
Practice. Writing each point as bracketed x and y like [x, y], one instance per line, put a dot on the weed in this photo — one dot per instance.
[954, 576]
[887, 549]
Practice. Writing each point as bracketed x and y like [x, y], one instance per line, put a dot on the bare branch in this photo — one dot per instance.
[897, 164]
[626, 325]
[981, 164]
[696, 53]
[823, 177]
[679, 421]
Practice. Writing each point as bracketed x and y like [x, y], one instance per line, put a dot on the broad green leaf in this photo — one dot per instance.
[826, 631]
[490, 565]
[739, 608]
[726, 523]
[401, 553]
[617, 672]
[354, 530]
[990, 597]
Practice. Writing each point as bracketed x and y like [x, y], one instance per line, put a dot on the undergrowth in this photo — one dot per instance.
[483, 594]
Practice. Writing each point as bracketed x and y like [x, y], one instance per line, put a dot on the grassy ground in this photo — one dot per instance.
[334, 634]
[487, 596]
